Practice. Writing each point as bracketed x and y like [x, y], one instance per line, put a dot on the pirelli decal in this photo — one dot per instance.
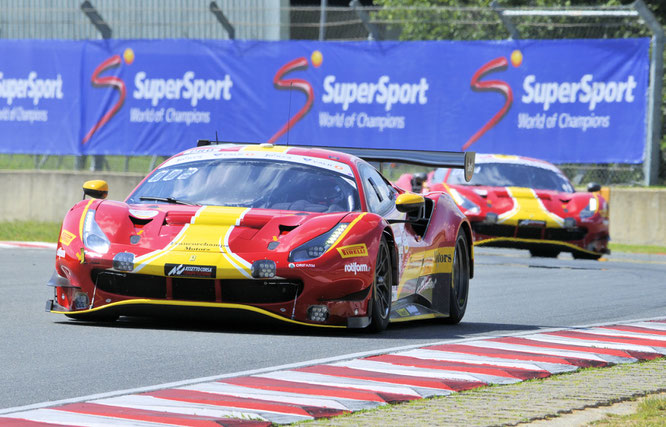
[66, 237]
[353, 251]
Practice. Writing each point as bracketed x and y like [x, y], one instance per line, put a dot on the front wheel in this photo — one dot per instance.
[459, 280]
[382, 289]
[544, 253]
[94, 317]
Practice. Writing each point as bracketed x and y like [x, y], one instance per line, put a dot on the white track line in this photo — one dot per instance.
[442, 374]
[27, 245]
[537, 350]
[633, 322]
[268, 395]
[64, 418]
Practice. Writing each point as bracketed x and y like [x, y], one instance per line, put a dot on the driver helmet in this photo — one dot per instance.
[418, 180]
[324, 191]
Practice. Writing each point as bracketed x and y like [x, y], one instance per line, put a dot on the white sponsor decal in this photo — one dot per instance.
[30, 88]
[305, 265]
[355, 268]
[186, 87]
[381, 92]
[60, 253]
[168, 115]
[20, 114]
[586, 91]
[360, 120]
[199, 155]
[177, 270]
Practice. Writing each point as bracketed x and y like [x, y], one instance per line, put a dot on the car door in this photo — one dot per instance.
[380, 199]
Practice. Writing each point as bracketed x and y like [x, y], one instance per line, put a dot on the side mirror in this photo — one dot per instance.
[593, 187]
[410, 203]
[97, 189]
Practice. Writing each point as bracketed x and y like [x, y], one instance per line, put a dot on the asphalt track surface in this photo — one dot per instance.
[47, 357]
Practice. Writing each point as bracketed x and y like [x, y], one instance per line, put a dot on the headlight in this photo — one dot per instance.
[93, 236]
[465, 204]
[317, 246]
[590, 209]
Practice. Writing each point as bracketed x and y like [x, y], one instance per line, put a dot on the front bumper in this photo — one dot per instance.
[577, 239]
[113, 293]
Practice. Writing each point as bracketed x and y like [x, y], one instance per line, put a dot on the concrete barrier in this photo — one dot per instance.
[48, 195]
[637, 215]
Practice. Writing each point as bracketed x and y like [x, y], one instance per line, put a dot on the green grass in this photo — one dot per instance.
[651, 412]
[30, 231]
[643, 249]
[112, 163]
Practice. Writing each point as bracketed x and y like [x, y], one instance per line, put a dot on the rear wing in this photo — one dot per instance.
[441, 159]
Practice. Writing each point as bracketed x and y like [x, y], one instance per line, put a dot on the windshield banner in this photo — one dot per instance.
[578, 101]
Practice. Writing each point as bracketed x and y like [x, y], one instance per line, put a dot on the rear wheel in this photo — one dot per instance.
[382, 289]
[459, 280]
[585, 255]
[544, 253]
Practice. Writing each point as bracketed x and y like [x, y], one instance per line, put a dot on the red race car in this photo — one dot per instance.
[303, 235]
[524, 203]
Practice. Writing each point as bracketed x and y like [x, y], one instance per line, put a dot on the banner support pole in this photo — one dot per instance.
[653, 125]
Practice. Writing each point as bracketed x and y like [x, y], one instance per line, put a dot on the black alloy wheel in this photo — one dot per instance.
[459, 280]
[94, 317]
[544, 253]
[586, 255]
[382, 289]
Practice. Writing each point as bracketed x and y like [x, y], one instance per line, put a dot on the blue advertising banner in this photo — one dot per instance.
[40, 96]
[579, 101]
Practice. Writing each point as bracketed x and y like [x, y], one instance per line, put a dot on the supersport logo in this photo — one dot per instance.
[497, 64]
[296, 84]
[109, 81]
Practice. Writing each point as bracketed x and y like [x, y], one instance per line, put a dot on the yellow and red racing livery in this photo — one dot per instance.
[303, 235]
[524, 203]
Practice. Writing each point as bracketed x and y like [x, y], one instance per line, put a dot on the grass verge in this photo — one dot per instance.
[30, 231]
[644, 249]
[143, 164]
[651, 411]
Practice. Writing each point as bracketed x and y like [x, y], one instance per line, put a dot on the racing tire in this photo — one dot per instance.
[94, 317]
[544, 253]
[382, 289]
[584, 255]
[459, 280]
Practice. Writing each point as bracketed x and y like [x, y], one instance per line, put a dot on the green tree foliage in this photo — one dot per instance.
[476, 20]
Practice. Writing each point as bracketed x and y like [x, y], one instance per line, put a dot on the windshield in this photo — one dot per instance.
[509, 175]
[268, 184]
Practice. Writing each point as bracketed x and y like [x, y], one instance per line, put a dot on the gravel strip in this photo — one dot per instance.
[522, 402]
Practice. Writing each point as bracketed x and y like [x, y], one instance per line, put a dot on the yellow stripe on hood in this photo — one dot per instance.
[527, 205]
[206, 237]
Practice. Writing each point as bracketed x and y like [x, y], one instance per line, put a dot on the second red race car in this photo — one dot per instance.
[303, 235]
[524, 203]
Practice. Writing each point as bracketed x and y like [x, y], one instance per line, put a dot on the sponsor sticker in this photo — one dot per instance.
[66, 237]
[60, 253]
[301, 265]
[185, 270]
[531, 223]
[355, 268]
[353, 251]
